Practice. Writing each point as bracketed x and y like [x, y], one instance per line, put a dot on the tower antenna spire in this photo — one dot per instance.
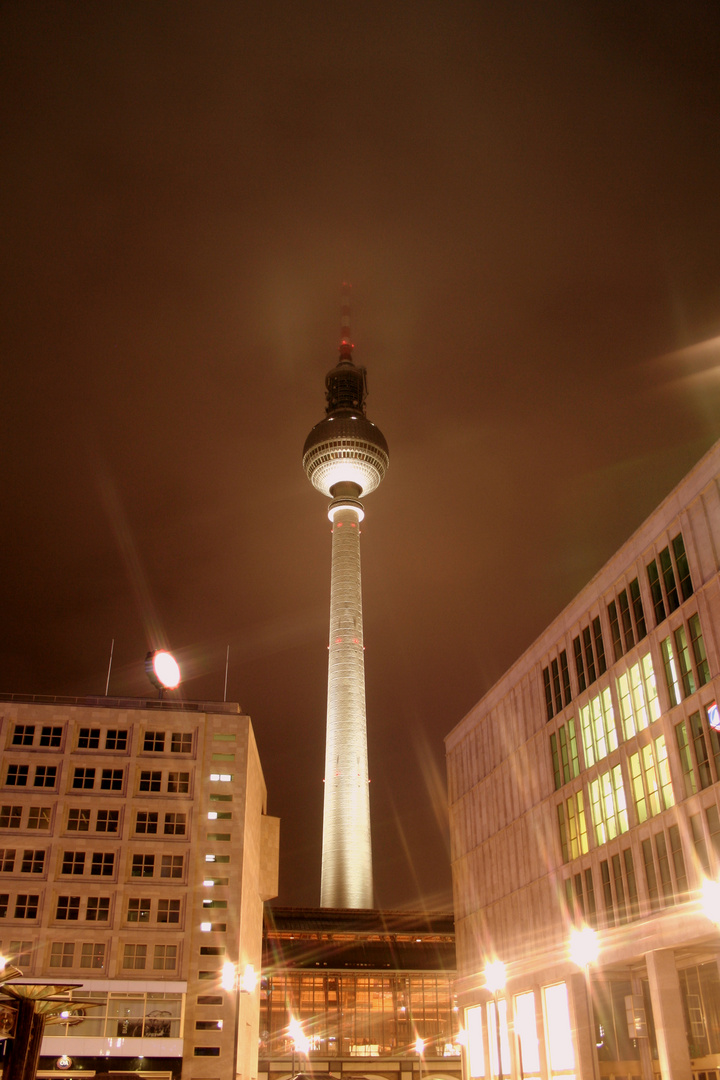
[346, 345]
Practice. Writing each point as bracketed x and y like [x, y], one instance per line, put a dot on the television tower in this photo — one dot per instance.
[345, 456]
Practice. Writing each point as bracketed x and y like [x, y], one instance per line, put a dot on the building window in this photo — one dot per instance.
[207, 1051]
[572, 827]
[134, 956]
[143, 865]
[580, 896]
[154, 740]
[10, 817]
[165, 958]
[599, 647]
[671, 671]
[116, 739]
[656, 592]
[89, 738]
[78, 820]
[713, 823]
[548, 694]
[181, 742]
[693, 754]
[650, 780]
[168, 911]
[4, 900]
[178, 783]
[38, 817]
[26, 906]
[668, 580]
[698, 838]
[223, 778]
[92, 955]
[556, 685]
[17, 775]
[627, 627]
[664, 868]
[62, 953]
[138, 909]
[146, 821]
[589, 657]
[23, 735]
[615, 630]
[98, 909]
[83, 778]
[20, 954]
[217, 858]
[678, 861]
[51, 736]
[33, 862]
[103, 863]
[150, 781]
[73, 862]
[619, 887]
[698, 647]
[175, 824]
[171, 866]
[597, 723]
[107, 821]
[637, 610]
[45, 776]
[7, 860]
[111, 780]
[638, 697]
[608, 805]
[682, 567]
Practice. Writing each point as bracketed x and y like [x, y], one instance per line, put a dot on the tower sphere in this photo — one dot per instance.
[345, 448]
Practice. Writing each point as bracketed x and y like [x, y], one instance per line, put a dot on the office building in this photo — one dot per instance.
[136, 855]
[345, 456]
[584, 795]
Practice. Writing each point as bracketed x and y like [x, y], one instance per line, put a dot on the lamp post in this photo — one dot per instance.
[420, 1051]
[300, 1041]
[495, 982]
[584, 949]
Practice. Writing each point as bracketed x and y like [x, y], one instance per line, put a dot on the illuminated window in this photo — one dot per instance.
[62, 954]
[138, 909]
[224, 778]
[165, 958]
[7, 860]
[10, 817]
[98, 909]
[134, 956]
[78, 820]
[116, 739]
[33, 862]
[92, 955]
[17, 775]
[609, 809]
[23, 735]
[637, 694]
[89, 738]
[559, 1038]
[107, 821]
[650, 779]
[572, 827]
[597, 723]
[38, 817]
[45, 776]
[154, 741]
[497, 1009]
[51, 736]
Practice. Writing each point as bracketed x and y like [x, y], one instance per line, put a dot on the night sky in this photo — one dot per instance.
[526, 199]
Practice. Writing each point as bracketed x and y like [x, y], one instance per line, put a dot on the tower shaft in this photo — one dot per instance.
[346, 853]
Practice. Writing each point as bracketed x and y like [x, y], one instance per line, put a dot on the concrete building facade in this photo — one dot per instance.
[584, 794]
[135, 856]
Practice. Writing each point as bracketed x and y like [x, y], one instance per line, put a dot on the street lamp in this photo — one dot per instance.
[300, 1041]
[495, 982]
[584, 950]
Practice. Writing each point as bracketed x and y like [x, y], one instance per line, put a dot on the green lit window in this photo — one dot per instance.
[573, 827]
[650, 779]
[563, 745]
[597, 724]
[608, 805]
[683, 655]
[637, 693]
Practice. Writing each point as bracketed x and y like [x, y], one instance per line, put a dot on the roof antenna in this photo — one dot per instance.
[346, 345]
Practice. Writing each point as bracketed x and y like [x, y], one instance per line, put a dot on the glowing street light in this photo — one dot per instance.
[495, 982]
[300, 1041]
[162, 669]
